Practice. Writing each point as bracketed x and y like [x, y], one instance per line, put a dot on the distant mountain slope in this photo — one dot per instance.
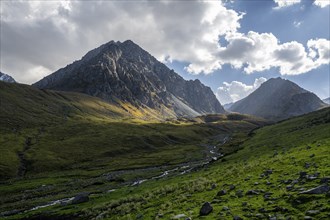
[6, 78]
[278, 99]
[327, 101]
[227, 106]
[125, 72]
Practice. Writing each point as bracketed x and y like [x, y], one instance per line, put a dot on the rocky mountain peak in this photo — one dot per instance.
[278, 99]
[6, 78]
[124, 72]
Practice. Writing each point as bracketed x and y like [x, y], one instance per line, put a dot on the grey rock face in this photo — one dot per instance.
[124, 72]
[278, 99]
[317, 190]
[6, 78]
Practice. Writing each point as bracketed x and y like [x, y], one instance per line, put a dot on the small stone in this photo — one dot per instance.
[139, 216]
[237, 218]
[302, 174]
[325, 180]
[232, 187]
[311, 177]
[307, 165]
[179, 216]
[268, 172]
[239, 193]
[308, 218]
[222, 193]
[294, 182]
[267, 196]
[312, 155]
[308, 147]
[206, 209]
[312, 212]
[244, 204]
[289, 187]
[213, 186]
[11, 212]
[256, 183]
[260, 216]
[287, 181]
[225, 208]
[252, 192]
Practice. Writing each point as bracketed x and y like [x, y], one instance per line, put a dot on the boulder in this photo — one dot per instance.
[206, 209]
[80, 198]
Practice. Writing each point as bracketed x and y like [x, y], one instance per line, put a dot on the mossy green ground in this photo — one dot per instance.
[285, 148]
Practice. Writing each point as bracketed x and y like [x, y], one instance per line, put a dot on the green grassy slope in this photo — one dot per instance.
[301, 144]
[56, 144]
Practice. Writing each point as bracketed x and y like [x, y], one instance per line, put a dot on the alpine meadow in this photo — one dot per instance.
[165, 110]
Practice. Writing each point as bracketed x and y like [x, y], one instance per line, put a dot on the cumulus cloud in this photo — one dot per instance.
[256, 52]
[285, 3]
[51, 34]
[234, 91]
[322, 3]
[39, 37]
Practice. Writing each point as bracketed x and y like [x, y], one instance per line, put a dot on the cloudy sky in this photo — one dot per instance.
[231, 46]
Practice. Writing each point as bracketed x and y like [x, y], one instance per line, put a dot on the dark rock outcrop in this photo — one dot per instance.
[206, 209]
[124, 72]
[80, 198]
[317, 190]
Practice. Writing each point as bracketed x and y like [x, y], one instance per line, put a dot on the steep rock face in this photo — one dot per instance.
[278, 99]
[6, 78]
[124, 72]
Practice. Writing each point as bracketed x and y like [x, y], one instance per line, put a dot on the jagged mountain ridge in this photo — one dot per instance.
[6, 78]
[278, 99]
[124, 72]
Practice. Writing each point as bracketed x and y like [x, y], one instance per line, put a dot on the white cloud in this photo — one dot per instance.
[297, 24]
[319, 51]
[40, 37]
[255, 52]
[234, 91]
[285, 3]
[53, 34]
[322, 3]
